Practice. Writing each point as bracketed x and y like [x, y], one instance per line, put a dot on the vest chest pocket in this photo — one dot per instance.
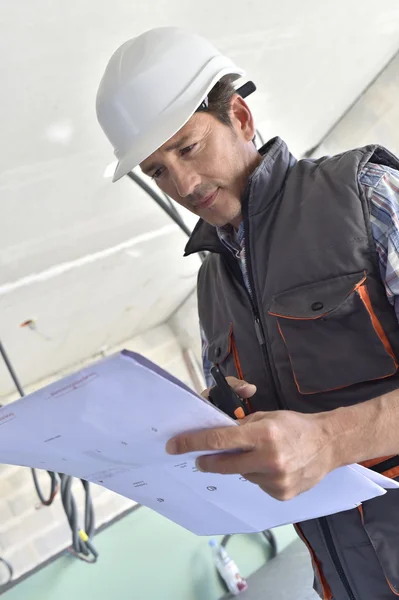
[332, 335]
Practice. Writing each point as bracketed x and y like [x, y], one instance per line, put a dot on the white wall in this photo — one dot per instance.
[373, 119]
[185, 325]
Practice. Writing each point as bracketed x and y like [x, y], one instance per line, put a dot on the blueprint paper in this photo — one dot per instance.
[109, 424]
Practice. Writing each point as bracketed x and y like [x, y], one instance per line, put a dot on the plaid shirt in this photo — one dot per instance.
[381, 186]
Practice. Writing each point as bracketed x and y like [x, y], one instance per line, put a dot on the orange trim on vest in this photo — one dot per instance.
[237, 363]
[362, 291]
[230, 338]
[327, 595]
[375, 461]
[317, 316]
[391, 473]
[289, 356]
[391, 588]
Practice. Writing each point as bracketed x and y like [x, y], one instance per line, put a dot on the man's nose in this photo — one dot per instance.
[185, 180]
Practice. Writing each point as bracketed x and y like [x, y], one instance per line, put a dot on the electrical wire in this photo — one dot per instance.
[260, 137]
[172, 206]
[82, 546]
[268, 534]
[53, 489]
[11, 370]
[271, 538]
[9, 569]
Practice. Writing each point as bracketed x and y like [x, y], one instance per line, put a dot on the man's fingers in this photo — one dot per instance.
[205, 393]
[229, 464]
[222, 438]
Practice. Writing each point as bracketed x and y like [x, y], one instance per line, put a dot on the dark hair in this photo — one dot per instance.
[219, 99]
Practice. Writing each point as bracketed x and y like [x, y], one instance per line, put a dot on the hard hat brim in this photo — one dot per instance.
[171, 120]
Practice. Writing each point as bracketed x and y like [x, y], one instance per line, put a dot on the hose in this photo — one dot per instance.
[53, 488]
[82, 546]
[81, 539]
[268, 534]
[9, 569]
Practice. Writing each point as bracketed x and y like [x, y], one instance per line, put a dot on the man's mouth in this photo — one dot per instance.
[207, 201]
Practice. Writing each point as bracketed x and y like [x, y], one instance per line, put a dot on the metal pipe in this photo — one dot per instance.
[259, 135]
[11, 370]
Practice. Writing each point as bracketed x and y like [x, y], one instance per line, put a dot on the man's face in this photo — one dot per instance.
[205, 166]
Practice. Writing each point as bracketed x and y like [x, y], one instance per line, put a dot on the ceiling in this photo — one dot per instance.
[92, 262]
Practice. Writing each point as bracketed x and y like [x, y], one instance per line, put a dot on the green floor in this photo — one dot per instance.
[145, 557]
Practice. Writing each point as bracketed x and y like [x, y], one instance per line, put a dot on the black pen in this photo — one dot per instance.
[225, 398]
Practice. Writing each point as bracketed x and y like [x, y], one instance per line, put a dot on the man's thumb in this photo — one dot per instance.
[244, 389]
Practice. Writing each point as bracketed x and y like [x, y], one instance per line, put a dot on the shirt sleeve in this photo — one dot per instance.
[381, 186]
[206, 363]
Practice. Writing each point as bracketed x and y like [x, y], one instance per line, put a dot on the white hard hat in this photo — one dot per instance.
[151, 87]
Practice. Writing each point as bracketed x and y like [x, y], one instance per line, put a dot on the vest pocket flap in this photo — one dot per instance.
[220, 347]
[315, 300]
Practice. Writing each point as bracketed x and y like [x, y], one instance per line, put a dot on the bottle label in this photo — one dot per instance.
[231, 575]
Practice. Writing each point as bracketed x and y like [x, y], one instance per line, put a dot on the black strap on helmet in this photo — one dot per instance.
[244, 91]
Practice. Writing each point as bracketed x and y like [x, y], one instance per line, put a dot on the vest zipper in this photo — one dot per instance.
[334, 557]
[260, 332]
[263, 345]
[232, 263]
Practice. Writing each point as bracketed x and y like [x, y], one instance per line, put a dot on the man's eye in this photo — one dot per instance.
[157, 173]
[186, 150]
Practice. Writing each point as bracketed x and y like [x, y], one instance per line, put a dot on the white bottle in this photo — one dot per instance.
[227, 569]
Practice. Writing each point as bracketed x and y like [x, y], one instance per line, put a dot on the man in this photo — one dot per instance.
[296, 297]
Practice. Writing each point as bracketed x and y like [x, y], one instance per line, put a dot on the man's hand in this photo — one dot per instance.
[284, 452]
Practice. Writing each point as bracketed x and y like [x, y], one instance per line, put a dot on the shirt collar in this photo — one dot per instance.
[231, 238]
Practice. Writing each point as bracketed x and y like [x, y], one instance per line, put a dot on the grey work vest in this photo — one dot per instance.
[319, 332]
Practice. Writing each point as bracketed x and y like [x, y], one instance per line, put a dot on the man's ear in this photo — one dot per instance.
[241, 118]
